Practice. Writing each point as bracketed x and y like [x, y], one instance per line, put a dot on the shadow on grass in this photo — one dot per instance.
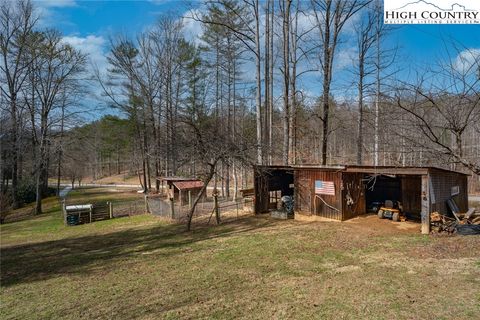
[76, 256]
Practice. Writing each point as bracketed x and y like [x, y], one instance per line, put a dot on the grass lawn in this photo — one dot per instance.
[143, 267]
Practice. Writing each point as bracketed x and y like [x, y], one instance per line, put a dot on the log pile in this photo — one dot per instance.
[462, 223]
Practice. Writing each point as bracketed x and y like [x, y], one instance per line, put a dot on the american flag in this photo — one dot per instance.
[324, 187]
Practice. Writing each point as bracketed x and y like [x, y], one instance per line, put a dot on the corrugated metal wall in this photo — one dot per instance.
[441, 190]
[305, 199]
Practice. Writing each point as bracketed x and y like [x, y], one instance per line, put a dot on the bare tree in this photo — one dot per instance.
[57, 67]
[331, 17]
[249, 34]
[366, 37]
[442, 107]
[17, 21]
[285, 9]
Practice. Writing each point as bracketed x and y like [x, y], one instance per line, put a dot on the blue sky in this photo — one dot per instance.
[89, 24]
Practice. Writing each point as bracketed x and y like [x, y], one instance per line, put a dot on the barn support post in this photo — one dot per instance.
[425, 205]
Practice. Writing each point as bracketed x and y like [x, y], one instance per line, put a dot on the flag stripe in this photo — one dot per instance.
[324, 187]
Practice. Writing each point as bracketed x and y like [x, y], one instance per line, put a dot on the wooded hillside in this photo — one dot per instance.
[234, 96]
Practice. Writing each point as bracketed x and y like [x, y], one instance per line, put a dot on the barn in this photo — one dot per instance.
[345, 192]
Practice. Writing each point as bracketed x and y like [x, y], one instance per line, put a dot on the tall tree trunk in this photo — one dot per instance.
[286, 80]
[258, 93]
[270, 82]
[360, 114]
[267, 128]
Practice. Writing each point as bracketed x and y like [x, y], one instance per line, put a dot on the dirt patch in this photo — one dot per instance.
[383, 226]
[369, 224]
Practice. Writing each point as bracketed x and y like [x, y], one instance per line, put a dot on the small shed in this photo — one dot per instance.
[344, 192]
[182, 190]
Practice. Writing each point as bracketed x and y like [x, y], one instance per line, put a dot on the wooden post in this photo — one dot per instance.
[110, 210]
[147, 210]
[64, 210]
[189, 198]
[91, 206]
[172, 207]
[215, 201]
[425, 205]
[237, 208]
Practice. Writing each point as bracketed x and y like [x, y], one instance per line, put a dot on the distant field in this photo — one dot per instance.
[143, 267]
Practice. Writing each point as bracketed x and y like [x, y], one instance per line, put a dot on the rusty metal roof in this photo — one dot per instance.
[365, 169]
[185, 185]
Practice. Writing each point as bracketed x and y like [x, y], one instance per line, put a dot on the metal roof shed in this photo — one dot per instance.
[182, 189]
[344, 192]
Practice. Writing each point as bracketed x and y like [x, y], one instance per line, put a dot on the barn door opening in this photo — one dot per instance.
[382, 188]
[403, 190]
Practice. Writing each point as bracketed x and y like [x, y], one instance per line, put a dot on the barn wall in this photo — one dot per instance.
[261, 192]
[305, 200]
[441, 183]
[412, 194]
[355, 188]
[268, 179]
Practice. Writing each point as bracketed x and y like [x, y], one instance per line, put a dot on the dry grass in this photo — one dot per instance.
[254, 267]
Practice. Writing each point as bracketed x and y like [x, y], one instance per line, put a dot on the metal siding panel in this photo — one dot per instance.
[442, 183]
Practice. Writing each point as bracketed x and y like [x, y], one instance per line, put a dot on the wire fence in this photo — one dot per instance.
[122, 208]
[229, 209]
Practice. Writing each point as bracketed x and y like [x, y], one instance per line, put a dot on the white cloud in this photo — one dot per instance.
[47, 11]
[192, 29]
[92, 45]
[467, 60]
[96, 49]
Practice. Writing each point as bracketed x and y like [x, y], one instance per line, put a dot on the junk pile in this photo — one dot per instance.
[285, 209]
[461, 223]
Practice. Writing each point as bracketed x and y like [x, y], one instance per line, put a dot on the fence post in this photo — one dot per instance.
[110, 209]
[64, 212]
[147, 209]
[172, 207]
[217, 212]
[236, 204]
[189, 198]
[91, 207]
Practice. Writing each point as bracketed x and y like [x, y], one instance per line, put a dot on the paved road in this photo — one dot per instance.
[101, 185]
[64, 192]
[68, 187]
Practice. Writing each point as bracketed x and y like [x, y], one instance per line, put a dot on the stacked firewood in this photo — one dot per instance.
[462, 223]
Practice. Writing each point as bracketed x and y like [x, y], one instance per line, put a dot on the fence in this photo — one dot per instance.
[87, 213]
[229, 209]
